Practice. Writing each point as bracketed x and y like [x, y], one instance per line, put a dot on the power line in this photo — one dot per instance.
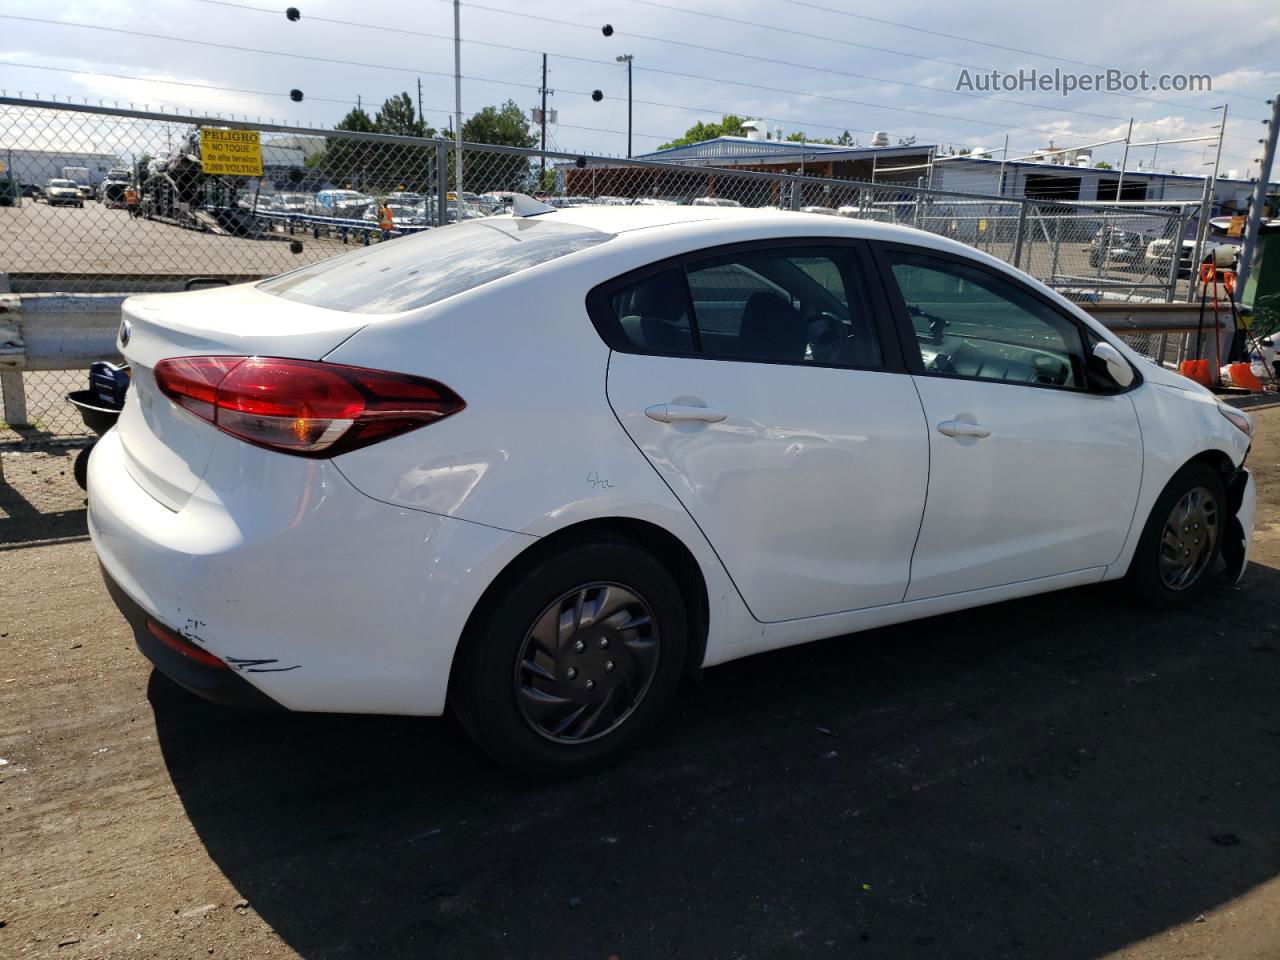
[419, 71]
[963, 39]
[181, 83]
[774, 28]
[683, 43]
[268, 93]
[219, 45]
[415, 70]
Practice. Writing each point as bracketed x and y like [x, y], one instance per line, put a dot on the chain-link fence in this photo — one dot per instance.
[128, 201]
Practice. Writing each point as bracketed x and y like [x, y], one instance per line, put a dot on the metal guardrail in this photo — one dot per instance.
[82, 260]
[69, 331]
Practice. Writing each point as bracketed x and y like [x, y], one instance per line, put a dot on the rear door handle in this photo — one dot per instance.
[958, 428]
[681, 413]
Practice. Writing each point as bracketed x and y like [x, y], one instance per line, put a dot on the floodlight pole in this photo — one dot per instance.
[457, 104]
[626, 58]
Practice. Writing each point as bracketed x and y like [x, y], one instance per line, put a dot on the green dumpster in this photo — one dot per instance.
[1262, 290]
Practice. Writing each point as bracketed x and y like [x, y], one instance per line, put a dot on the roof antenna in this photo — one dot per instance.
[523, 205]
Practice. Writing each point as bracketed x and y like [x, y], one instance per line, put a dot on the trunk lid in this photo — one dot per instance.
[167, 449]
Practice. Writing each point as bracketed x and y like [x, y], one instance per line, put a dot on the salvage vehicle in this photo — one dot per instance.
[536, 468]
[1109, 245]
[59, 193]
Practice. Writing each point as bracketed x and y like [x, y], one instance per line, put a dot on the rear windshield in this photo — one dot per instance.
[425, 268]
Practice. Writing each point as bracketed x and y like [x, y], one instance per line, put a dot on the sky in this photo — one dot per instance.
[817, 66]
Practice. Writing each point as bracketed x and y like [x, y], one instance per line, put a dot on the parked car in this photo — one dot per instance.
[1111, 246]
[402, 215]
[535, 469]
[291, 203]
[855, 212]
[340, 204]
[62, 193]
[714, 202]
[1156, 255]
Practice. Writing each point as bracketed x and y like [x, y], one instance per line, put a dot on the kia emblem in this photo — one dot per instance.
[126, 331]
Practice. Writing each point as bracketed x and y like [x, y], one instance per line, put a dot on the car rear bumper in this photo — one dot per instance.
[219, 684]
[316, 595]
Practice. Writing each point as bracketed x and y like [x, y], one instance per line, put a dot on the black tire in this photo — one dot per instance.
[1147, 575]
[489, 669]
[81, 467]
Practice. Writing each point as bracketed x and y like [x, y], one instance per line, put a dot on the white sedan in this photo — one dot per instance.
[537, 468]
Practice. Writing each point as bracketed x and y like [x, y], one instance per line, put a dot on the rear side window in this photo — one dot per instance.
[781, 305]
[654, 313]
[417, 271]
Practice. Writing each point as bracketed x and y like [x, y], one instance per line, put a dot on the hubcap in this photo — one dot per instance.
[586, 663]
[1188, 540]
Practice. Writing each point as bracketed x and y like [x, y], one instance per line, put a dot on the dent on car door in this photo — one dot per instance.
[1033, 472]
[754, 384]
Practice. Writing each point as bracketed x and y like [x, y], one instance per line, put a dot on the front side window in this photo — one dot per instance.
[970, 323]
[786, 305]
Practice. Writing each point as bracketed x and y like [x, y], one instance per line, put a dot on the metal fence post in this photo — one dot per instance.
[1175, 257]
[15, 398]
[442, 184]
[1020, 232]
[796, 191]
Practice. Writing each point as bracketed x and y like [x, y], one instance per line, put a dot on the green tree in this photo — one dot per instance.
[1102, 165]
[505, 126]
[373, 166]
[347, 161]
[399, 117]
[730, 125]
[844, 140]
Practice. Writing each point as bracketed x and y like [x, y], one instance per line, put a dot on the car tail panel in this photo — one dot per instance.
[166, 447]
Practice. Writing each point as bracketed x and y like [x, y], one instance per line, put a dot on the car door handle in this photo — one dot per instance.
[958, 428]
[681, 413]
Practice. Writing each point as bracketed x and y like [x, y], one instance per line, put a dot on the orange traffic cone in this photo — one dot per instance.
[1243, 376]
[1197, 370]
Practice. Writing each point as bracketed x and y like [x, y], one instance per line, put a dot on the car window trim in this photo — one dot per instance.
[610, 329]
[912, 358]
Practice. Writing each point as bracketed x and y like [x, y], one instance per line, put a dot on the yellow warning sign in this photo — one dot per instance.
[236, 153]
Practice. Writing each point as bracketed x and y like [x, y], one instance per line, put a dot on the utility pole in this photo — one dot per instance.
[422, 121]
[626, 58]
[1124, 162]
[1259, 198]
[542, 160]
[457, 104]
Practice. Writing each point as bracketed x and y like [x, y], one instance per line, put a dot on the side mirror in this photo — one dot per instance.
[1118, 368]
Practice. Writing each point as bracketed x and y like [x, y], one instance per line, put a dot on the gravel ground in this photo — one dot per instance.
[1059, 777]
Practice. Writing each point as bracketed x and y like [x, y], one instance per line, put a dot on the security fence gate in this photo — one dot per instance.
[155, 217]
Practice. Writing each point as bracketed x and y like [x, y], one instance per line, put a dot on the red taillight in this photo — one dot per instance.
[303, 407]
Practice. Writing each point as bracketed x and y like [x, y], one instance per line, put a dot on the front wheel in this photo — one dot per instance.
[573, 659]
[1182, 539]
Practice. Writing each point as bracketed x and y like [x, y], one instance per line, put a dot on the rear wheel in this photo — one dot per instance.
[573, 659]
[1182, 539]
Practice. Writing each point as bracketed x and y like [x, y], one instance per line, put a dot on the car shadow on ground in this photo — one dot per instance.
[27, 514]
[1051, 778]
